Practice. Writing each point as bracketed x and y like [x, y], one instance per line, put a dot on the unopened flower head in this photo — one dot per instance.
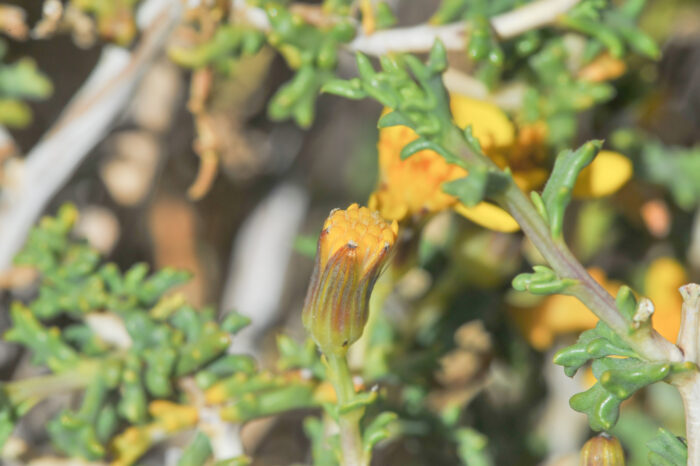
[352, 249]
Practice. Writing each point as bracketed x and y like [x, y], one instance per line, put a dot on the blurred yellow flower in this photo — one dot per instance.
[559, 314]
[663, 278]
[168, 417]
[414, 186]
[411, 186]
[608, 172]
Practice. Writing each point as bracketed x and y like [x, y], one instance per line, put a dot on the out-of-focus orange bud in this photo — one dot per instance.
[602, 450]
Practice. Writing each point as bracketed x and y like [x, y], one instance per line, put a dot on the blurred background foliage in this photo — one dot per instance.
[225, 162]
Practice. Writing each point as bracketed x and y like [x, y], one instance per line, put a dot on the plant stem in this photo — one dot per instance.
[690, 393]
[349, 423]
[689, 385]
[650, 345]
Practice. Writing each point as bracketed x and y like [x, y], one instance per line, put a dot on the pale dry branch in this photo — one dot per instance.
[689, 386]
[81, 126]
[258, 265]
[421, 38]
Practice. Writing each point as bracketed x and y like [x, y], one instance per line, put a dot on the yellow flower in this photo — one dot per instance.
[608, 172]
[134, 441]
[661, 283]
[414, 186]
[411, 186]
[352, 249]
[561, 314]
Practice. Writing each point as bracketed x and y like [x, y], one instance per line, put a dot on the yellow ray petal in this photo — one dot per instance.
[489, 216]
[608, 172]
[489, 124]
[530, 179]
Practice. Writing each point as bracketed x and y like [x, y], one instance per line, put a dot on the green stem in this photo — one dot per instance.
[349, 423]
[651, 345]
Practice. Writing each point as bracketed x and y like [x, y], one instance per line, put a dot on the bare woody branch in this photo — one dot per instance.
[81, 126]
[420, 38]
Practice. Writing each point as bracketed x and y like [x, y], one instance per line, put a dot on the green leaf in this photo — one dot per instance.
[437, 59]
[23, 80]
[667, 450]
[242, 460]
[323, 446]
[601, 407]
[132, 405]
[7, 417]
[676, 168]
[618, 378]
[46, 344]
[596, 343]
[419, 145]
[306, 245]
[478, 184]
[379, 429]
[197, 452]
[359, 402]
[350, 89]
[626, 302]
[539, 205]
[605, 34]
[471, 189]
[623, 377]
[394, 118]
[234, 322]
[472, 448]
[544, 281]
[557, 192]
[384, 16]
[293, 355]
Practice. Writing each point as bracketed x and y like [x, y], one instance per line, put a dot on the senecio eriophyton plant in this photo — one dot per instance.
[501, 234]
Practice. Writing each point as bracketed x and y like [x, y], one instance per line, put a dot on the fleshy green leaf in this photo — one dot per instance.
[557, 192]
[197, 452]
[543, 281]
[596, 343]
[667, 450]
[601, 407]
[472, 448]
[379, 429]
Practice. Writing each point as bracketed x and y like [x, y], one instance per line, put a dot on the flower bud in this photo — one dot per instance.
[602, 450]
[352, 249]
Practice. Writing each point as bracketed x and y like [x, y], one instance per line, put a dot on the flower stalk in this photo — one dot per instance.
[353, 453]
[353, 248]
